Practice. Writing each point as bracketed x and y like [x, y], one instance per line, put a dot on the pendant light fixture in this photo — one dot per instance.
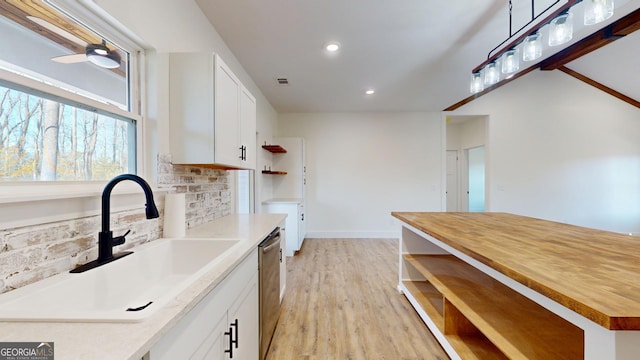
[477, 84]
[596, 11]
[505, 58]
[561, 29]
[532, 47]
[491, 74]
[510, 61]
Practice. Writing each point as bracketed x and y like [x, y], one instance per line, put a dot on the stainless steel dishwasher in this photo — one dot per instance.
[269, 270]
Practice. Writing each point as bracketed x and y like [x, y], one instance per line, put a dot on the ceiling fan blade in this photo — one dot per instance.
[70, 59]
[56, 30]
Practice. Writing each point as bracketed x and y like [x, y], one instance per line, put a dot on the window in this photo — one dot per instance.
[68, 105]
[43, 139]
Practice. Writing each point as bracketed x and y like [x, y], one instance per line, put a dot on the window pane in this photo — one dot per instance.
[43, 139]
[47, 45]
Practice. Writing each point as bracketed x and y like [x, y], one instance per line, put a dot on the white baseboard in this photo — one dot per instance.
[351, 235]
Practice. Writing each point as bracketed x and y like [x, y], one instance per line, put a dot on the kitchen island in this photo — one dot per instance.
[496, 285]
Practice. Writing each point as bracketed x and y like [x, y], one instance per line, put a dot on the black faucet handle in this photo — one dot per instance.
[119, 240]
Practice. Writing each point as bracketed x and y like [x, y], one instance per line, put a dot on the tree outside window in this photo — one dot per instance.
[42, 139]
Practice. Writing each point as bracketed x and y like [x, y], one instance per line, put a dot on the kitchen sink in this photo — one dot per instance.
[127, 290]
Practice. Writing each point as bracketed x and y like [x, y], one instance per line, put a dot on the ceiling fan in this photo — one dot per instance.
[98, 54]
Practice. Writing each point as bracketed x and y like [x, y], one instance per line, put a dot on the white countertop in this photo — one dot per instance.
[75, 340]
[284, 201]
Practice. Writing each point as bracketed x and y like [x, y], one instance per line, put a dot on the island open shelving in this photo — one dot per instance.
[502, 286]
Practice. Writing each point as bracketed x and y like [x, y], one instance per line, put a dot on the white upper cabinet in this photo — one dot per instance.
[248, 128]
[212, 115]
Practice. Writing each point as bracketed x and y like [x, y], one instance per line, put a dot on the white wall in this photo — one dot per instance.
[362, 166]
[562, 150]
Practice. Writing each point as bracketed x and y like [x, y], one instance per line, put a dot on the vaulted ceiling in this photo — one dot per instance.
[416, 54]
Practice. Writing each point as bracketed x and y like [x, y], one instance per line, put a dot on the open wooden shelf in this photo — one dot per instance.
[430, 299]
[273, 172]
[276, 149]
[480, 315]
[470, 346]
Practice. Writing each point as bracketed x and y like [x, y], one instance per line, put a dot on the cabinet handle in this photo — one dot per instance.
[280, 255]
[230, 350]
[302, 216]
[241, 152]
[236, 340]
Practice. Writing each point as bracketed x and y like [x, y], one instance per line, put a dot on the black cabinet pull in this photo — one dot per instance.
[241, 152]
[281, 255]
[230, 350]
[302, 217]
[236, 340]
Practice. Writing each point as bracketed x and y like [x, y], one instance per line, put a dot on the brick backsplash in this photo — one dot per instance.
[32, 253]
[207, 191]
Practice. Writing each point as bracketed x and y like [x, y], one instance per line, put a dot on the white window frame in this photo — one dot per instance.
[88, 13]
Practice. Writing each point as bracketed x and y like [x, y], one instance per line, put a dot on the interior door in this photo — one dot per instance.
[476, 181]
[452, 180]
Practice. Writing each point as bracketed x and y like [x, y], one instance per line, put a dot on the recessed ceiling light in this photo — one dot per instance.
[332, 46]
[370, 92]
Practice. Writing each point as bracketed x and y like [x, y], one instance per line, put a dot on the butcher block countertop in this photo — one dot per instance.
[592, 272]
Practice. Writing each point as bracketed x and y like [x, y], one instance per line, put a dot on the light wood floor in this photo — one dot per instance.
[342, 303]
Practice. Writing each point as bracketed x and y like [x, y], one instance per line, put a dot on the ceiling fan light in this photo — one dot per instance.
[596, 11]
[532, 47]
[477, 84]
[510, 61]
[107, 61]
[561, 29]
[101, 55]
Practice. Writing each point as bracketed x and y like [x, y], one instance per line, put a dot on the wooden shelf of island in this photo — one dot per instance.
[276, 149]
[482, 318]
[274, 172]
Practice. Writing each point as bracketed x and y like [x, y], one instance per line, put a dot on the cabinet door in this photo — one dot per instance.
[245, 312]
[301, 225]
[191, 115]
[212, 348]
[201, 333]
[283, 260]
[248, 128]
[198, 333]
[227, 116]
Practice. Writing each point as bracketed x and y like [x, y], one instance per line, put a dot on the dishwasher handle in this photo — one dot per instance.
[273, 245]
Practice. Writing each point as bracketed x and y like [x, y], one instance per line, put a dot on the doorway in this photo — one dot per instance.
[452, 181]
[475, 179]
[466, 183]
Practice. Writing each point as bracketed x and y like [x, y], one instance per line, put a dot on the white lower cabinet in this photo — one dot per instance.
[283, 260]
[224, 325]
[295, 228]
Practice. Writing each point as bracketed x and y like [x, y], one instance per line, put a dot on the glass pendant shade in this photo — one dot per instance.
[561, 29]
[596, 11]
[532, 47]
[477, 84]
[491, 74]
[510, 61]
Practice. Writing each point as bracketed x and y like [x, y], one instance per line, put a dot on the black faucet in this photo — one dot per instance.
[106, 241]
